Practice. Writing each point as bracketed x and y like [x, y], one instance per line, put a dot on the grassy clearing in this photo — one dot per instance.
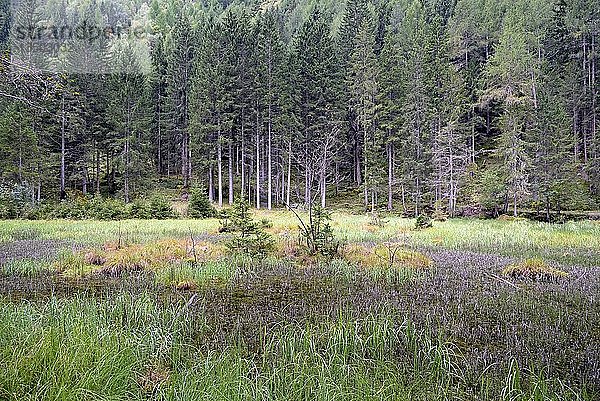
[570, 243]
[160, 310]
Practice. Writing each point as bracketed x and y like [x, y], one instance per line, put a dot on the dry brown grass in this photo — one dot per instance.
[153, 378]
[286, 246]
[189, 285]
[534, 269]
[114, 260]
[385, 256]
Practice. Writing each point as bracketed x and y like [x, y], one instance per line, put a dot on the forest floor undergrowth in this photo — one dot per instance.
[467, 309]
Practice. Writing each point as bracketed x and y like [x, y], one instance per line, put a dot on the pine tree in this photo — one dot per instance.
[509, 78]
[363, 102]
[316, 77]
[179, 78]
[128, 110]
[416, 107]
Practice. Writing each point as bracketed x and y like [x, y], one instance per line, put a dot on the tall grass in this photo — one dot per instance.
[136, 347]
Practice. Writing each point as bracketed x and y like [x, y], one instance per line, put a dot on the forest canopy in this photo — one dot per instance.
[467, 107]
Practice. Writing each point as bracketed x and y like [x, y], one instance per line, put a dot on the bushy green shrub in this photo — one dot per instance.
[157, 208]
[317, 235]
[199, 206]
[7, 209]
[138, 210]
[13, 200]
[248, 237]
[423, 221]
[105, 209]
[160, 209]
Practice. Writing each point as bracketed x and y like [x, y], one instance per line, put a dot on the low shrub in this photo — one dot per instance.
[157, 208]
[316, 235]
[248, 237]
[93, 208]
[139, 210]
[423, 222]
[14, 199]
[440, 215]
[104, 209]
[161, 209]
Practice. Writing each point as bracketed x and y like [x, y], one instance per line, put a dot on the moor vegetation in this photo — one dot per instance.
[336, 307]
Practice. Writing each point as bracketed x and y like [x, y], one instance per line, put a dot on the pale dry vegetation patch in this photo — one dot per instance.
[389, 255]
[534, 269]
[114, 260]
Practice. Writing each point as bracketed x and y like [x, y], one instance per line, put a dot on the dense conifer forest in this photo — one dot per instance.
[467, 107]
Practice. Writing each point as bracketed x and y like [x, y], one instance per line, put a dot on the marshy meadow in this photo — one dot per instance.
[171, 310]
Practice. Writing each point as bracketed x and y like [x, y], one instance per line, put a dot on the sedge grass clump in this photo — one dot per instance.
[534, 269]
[24, 267]
[70, 263]
[114, 260]
[389, 256]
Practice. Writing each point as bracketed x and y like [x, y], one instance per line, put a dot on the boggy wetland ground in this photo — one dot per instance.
[161, 310]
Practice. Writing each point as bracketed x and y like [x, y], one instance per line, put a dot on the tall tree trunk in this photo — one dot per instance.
[289, 174]
[366, 193]
[357, 164]
[257, 162]
[220, 170]
[126, 173]
[270, 165]
[230, 173]
[390, 176]
[39, 183]
[159, 130]
[211, 184]
[97, 168]
[243, 161]
[184, 160]
[452, 205]
[84, 183]
[63, 193]
[20, 168]
[323, 180]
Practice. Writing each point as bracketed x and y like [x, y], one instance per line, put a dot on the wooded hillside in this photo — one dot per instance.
[463, 106]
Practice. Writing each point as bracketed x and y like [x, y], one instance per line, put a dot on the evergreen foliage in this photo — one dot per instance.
[411, 105]
[248, 237]
[199, 207]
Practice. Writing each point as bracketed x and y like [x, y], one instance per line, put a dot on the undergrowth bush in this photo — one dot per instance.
[248, 237]
[316, 236]
[157, 208]
[91, 208]
[199, 206]
[13, 200]
[423, 222]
